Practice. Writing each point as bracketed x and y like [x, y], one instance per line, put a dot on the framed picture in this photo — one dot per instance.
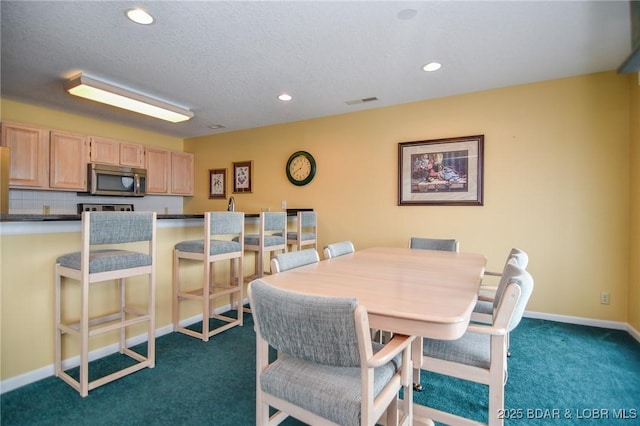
[441, 172]
[218, 183]
[242, 176]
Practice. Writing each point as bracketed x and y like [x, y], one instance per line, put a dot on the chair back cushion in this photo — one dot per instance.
[512, 273]
[225, 223]
[119, 227]
[308, 219]
[520, 257]
[340, 249]
[310, 328]
[433, 244]
[295, 259]
[274, 221]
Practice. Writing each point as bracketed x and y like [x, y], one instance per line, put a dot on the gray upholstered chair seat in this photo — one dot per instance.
[106, 260]
[484, 307]
[334, 393]
[471, 349]
[217, 246]
[292, 235]
[269, 240]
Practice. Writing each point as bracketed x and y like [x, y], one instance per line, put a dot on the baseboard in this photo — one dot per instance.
[47, 371]
[613, 325]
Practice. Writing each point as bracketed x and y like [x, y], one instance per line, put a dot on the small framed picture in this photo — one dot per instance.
[218, 183]
[242, 176]
[441, 172]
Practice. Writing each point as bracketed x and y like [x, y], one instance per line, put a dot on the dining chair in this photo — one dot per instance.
[214, 248]
[434, 244]
[483, 310]
[335, 377]
[306, 233]
[480, 354]
[293, 259]
[338, 249]
[114, 246]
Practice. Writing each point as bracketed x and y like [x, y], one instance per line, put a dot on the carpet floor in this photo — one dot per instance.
[559, 374]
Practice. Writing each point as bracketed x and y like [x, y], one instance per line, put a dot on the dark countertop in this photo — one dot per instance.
[72, 217]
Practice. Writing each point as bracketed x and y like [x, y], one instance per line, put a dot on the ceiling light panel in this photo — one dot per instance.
[105, 93]
[139, 16]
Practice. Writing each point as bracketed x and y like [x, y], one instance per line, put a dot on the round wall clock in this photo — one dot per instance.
[301, 168]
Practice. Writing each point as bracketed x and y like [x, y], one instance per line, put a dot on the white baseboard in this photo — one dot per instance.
[44, 372]
[613, 325]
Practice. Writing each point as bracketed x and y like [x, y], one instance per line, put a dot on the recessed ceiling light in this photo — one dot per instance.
[139, 16]
[432, 66]
[406, 14]
[285, 97]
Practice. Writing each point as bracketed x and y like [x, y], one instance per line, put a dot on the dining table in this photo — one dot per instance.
[422, 293]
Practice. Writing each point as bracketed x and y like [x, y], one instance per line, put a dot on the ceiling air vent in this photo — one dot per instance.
[361, 101]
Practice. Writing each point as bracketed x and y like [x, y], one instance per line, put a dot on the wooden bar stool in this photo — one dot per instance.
[90, 266]
[273, 225]
[217, 245]
[306, 233]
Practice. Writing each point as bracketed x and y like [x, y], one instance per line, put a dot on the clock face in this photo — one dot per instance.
[301, 168]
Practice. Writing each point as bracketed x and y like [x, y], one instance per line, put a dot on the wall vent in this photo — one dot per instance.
[361, 101]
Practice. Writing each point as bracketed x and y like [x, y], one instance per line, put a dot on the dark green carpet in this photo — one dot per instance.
[576, 370]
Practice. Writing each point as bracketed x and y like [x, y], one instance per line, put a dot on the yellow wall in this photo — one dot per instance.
[56, 120]
[556, 181]
[634, 256]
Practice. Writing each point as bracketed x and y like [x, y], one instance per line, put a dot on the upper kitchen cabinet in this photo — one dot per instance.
[108, 151]
[169, 172]
[68, 161]
[181, 173]
[29, 147]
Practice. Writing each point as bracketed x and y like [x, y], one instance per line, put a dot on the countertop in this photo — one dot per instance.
[77, 217]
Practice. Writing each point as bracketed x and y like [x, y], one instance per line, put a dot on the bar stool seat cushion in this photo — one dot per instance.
[294, 236]
[217, 246]
[269, 240]
[106, 260]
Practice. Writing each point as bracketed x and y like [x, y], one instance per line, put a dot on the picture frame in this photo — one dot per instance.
[242, 177]
[218, 183]
[441, 172]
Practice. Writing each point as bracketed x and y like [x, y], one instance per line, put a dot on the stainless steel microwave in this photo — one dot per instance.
[105, 179]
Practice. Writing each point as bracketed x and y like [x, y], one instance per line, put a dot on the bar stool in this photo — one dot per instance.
[306, 233]
[90, 266]
[273, 225]
[217, 227]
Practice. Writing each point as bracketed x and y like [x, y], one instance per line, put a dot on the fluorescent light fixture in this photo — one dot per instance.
[98, 91]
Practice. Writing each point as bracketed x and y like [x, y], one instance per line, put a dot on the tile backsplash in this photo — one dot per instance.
[60, 202]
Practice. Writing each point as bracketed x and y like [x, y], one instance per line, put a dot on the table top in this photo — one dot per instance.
[416, 292]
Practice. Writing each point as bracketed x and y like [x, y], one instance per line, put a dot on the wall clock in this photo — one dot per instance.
[301, 168]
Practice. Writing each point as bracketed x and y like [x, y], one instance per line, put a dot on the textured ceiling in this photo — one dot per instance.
[228, 61]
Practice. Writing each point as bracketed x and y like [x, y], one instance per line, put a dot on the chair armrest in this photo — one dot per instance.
[397, 344]
[486, 297]
[486, 329]
[493, 274]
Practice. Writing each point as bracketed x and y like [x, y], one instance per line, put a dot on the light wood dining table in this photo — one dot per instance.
[423, 293]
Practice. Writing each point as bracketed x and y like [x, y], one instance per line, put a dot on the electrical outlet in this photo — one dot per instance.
[604, 298]
[284, 205]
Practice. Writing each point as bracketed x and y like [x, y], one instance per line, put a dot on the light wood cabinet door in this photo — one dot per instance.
[68, 161]
[29, 147]
[158, 164]
[131, 155]
[181, 173]
[104, 151]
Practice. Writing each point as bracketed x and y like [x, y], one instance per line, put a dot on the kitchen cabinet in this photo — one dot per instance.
[68, 158]
[158, 164]
[108, 151]
[29, 147]
[169, 172]
[181, 173]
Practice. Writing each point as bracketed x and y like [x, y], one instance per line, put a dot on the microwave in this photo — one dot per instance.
[105, 179]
